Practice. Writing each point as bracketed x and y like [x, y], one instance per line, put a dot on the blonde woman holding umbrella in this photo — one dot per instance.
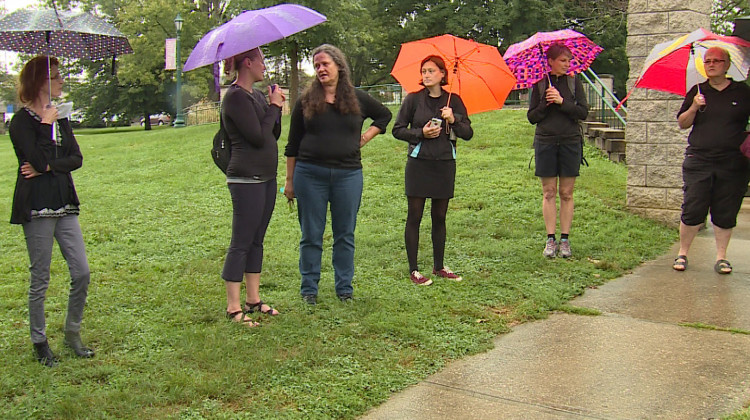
[253, 128]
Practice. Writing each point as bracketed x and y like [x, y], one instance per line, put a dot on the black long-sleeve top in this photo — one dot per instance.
[253, 128]
[719, 130]
[331, 139]
[418, 108]
[32, 142]
[557, 122]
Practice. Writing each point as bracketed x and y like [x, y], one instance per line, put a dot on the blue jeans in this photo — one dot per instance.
[316, 186]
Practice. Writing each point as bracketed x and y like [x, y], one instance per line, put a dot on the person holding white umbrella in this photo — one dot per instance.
[715, 173]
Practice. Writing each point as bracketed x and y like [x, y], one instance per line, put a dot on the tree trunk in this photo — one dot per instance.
[146, 121]
[294, 74]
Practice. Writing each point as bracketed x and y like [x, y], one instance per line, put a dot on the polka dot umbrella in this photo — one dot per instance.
[61, 33]
[69, 34]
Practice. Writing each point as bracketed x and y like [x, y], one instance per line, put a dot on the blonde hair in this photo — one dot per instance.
[232, 64]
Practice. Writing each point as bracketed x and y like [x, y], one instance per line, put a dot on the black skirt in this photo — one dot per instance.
[430, 178]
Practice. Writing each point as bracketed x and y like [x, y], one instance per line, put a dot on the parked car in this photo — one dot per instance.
[158, 119]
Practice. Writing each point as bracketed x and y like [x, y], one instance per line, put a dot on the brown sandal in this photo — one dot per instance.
[680, 263]
[245, 320]
[258, 307]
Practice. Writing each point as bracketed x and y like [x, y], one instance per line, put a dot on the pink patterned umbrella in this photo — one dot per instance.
[528, 62]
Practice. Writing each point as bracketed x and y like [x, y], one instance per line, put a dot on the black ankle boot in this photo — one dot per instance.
[44, 354]
[73, 340]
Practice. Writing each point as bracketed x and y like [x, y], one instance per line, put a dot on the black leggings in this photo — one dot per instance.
[252, 206]
[438, 212]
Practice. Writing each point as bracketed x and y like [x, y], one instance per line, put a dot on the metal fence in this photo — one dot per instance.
[203, 113]
[603, 104]
[390, 94]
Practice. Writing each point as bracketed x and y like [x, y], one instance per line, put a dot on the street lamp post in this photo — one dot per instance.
[179, 120]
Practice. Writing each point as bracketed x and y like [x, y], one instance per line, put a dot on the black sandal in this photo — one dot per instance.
[245, 320]
[723, 267]
[680, 263]
[258, 307]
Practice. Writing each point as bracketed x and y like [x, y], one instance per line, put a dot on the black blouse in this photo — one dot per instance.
[51, 194]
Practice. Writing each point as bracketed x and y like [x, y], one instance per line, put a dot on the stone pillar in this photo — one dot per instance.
[655, 144]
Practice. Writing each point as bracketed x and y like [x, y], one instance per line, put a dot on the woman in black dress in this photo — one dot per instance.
[430, 120]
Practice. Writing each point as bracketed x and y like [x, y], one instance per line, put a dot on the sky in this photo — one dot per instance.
[7, 58]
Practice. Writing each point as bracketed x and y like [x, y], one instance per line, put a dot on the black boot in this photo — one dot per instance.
[73, 340]
[44, 354]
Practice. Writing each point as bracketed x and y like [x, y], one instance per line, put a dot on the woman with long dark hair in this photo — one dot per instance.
[324, 167]
[45, 202]
[430, 120]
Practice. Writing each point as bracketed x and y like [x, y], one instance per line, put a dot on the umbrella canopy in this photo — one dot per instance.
[528, 61]
[70, 34]
[476, 72]
[676, 66]
[249, 30]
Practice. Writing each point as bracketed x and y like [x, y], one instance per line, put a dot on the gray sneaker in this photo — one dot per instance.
[550, 249]
[565, 249]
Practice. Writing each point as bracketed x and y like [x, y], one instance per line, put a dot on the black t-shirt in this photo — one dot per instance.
[719, 129]
[331, 139]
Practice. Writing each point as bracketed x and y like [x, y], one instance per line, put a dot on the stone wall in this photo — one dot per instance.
[655, 144]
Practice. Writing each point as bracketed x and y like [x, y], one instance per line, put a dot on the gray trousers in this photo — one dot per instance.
[40, 234]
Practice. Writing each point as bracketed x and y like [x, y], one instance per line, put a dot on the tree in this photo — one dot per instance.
[141, 85]
[724, 12]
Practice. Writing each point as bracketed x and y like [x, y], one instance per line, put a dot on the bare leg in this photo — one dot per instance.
[549, 203]
[722, 242]
[233, 303]
[687, 234]
[233, 296]
[252, 294]
[566, 203]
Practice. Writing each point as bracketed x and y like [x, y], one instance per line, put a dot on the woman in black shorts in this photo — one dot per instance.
[430, 120]
[556, 111]
[714, 173]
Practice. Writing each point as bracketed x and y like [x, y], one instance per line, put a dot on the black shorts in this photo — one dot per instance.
[555, 159]
[718, 187]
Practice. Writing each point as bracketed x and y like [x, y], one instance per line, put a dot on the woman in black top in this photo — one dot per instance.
[253, 127]
[45, 202]
[556, 109]
[323, 166]
[714, 172]
[431, 165]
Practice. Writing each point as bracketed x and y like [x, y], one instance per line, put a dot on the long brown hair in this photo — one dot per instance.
[314, 97]
[33, 75]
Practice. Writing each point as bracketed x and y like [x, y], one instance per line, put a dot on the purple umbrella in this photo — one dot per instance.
[249, 30]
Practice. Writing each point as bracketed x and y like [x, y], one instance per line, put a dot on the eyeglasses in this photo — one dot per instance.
[58, 76]
[711, 61]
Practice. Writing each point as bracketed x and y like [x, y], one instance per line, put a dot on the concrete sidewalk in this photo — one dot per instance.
[635, 361]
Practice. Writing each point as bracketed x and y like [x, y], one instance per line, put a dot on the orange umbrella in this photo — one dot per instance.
[476, 72]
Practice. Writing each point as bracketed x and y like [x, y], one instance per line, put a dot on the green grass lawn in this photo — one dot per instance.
[156, 217]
